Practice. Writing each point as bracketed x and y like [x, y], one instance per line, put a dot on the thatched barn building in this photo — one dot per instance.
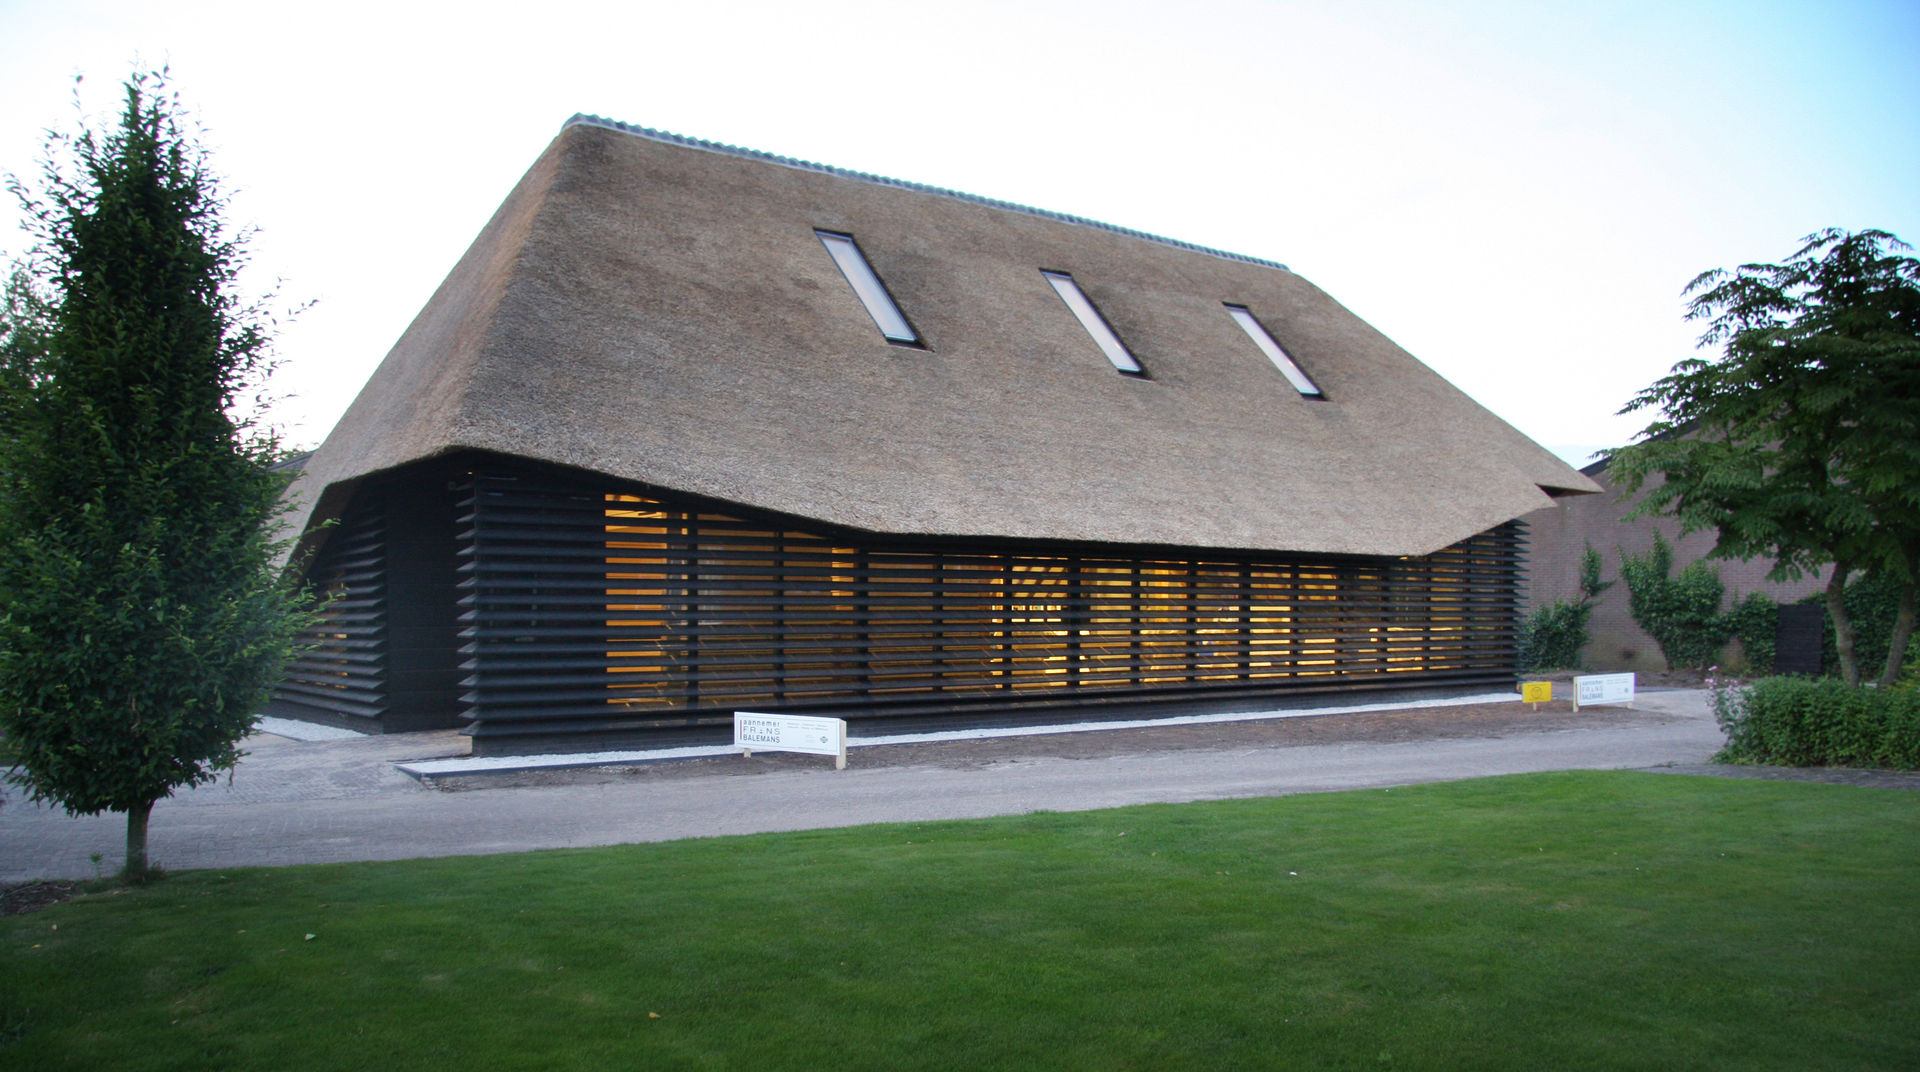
[692, 429]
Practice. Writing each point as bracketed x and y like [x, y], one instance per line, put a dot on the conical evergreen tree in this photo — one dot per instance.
[142, 616]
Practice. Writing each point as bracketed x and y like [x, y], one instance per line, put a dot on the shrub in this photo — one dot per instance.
[1802, 722]
[1681, 613]
[1754, 621]
[1553, 636]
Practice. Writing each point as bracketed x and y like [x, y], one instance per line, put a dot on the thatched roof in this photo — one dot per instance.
[660, 310]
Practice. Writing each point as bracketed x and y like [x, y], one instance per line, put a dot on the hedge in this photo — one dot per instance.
[1803, 722]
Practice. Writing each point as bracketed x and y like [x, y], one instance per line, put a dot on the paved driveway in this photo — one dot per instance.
[304, 802]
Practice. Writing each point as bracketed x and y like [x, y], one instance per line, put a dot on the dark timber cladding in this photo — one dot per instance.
[593, 608]
[384, 657]
[341, 676]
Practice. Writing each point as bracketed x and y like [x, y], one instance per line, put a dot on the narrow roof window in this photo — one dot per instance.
[1255, 331]
[867, 286]
[1095, 324]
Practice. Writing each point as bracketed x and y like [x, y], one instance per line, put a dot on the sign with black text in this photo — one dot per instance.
[1592, 689]
[755, 731]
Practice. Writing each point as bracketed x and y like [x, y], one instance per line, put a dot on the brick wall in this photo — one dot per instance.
[1559, 534]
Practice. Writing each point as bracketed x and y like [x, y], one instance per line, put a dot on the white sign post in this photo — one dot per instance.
[1594, 689]
[754, 730]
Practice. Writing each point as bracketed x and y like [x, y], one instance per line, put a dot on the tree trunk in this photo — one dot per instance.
[136, 869]
[1902, 631]
[1842, 625]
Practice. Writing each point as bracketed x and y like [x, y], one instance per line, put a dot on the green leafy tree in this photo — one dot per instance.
[23, 328]
[142, 616]
[1801, 440]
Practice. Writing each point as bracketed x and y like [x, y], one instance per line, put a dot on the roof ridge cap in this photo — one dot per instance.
[583, 119]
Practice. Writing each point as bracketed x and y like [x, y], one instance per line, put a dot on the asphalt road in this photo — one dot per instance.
[295, 802]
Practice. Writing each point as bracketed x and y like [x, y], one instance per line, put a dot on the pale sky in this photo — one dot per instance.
[1515, 192]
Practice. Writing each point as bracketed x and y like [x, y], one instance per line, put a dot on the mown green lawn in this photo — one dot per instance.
[1583, 920]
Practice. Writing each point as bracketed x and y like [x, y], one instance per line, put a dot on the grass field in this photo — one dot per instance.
[1583, 920]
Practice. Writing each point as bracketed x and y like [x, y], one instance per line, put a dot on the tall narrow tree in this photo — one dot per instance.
[142, 618]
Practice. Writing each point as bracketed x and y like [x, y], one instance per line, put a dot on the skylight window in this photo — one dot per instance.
[867, 286]
[1095, 324]
[1301, 382]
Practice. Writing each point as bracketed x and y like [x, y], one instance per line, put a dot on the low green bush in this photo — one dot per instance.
[1552, 636]
[1802, 722]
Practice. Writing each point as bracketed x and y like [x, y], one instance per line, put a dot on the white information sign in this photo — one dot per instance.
[1591, 689]
[756, 731]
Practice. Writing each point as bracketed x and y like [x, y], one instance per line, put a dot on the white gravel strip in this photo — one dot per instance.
[1177, 720]
[478, 764]
[304, 731]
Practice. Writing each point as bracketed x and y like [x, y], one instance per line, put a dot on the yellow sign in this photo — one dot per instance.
[1536, 692]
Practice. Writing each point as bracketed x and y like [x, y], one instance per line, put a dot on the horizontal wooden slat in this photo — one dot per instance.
[599, 608]
[342, 670]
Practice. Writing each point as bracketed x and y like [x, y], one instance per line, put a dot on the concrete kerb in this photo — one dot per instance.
[440, 771]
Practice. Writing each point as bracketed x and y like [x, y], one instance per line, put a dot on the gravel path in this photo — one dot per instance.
[316, 801]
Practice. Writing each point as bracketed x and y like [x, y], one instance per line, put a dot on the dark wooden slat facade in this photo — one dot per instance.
[551, 611]
[341, 678]
[385, 657]
[595, 615]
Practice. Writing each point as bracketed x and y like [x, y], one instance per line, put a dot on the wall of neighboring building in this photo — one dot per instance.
[1558, 536]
